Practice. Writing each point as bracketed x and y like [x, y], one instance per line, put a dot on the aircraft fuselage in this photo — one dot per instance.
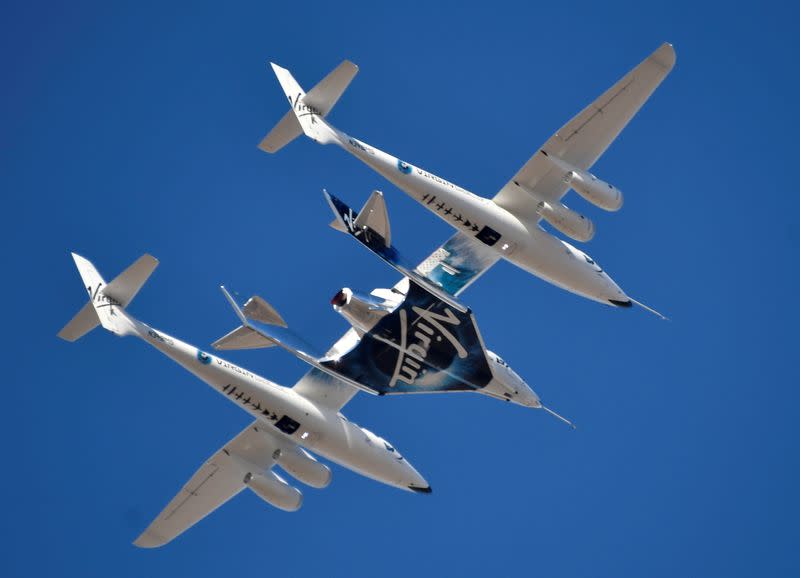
[524, 244]
[289, 415]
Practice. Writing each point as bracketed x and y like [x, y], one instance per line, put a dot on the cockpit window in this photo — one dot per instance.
[389, 446]
[501, 361]
[591, 262]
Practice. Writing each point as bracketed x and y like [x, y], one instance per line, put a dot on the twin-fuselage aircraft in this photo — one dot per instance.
[415, 337]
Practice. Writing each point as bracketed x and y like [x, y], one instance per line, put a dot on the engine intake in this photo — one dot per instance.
[572, 224]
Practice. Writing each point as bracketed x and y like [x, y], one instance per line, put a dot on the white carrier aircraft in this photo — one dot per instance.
[287, 420]
[509, 222]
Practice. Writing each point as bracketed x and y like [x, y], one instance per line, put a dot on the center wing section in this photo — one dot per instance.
[325, 389]
[458, 263]
[446, 272]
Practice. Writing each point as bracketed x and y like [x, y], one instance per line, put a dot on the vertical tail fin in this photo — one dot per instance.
[308, 109]
[107, 301]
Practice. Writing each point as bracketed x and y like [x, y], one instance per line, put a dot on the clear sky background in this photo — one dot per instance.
[133, 128]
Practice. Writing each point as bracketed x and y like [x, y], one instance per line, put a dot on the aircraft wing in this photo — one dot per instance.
[219, 479]
[325, 389]
[583, 139]
[458, 263]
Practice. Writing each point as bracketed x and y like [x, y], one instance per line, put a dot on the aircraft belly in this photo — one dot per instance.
[462, 210]
[549, 259]
[529, 247]
[291, 414]
[351, 447]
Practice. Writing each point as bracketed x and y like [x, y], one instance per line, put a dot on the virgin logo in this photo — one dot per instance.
[430, 327]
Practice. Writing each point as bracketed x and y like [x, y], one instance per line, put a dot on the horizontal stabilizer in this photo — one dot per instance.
[271, 327]
[282, 133]
[84, 321]
[258, 309]
[277, 334]
[127, 284]
[242, 338]
[324, 96]
[308, 109]
[107, 301]
[308, 117]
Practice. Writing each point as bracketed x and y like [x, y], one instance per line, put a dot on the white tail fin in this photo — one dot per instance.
[308, 109]
[107, 301]
[373, 215]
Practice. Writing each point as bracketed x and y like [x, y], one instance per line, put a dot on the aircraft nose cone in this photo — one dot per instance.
[416, 483]
[531, 400]
[527, 397]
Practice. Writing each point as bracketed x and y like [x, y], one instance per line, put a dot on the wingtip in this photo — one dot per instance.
[665, 55]
[148, 540]
[152, 259]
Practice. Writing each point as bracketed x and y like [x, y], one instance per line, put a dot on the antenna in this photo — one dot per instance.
[650, 309]
[561, 417]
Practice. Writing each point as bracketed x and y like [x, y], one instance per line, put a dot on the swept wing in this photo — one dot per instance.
[219, 479]
[581, 141]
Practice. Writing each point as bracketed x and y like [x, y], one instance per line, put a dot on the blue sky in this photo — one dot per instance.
[132, 128]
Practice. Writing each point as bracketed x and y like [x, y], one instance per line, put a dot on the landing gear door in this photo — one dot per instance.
[492, 238]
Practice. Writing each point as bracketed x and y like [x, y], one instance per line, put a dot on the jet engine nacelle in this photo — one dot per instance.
[572, 224]
[597, 192]
[301, 465]
[271, 488]
[363, 311]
